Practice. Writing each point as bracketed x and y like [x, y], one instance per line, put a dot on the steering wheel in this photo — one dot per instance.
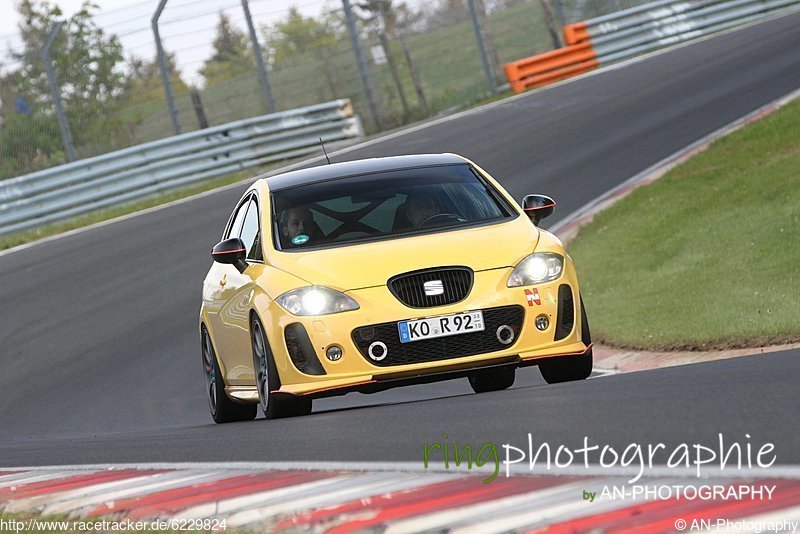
[353, 230]
[440, 218]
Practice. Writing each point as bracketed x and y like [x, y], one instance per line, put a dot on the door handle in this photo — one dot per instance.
[223, 280]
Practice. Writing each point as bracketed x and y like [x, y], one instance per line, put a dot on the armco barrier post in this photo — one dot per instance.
[363, 67]
[162, 61]
[487, 68]
[55, 91]
[262, 68]
[562, 20]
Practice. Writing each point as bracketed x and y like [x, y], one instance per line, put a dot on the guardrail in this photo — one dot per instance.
[118, 177]
[635, 31]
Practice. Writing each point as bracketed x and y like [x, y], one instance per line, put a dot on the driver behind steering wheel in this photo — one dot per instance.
[420, 208]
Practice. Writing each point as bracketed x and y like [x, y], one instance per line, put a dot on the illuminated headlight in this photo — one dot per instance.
[316, 300]
[537, 268]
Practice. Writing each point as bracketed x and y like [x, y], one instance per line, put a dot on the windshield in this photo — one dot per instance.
[384, 205]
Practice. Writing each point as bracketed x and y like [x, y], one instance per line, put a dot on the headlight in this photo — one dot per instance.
[537, 268]
[316, 300]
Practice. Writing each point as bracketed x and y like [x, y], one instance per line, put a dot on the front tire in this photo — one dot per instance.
[492, 379]
[223, 409]
[268, 381]
[569, 368]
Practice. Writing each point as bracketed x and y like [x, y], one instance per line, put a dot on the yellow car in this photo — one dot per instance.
[377, 273]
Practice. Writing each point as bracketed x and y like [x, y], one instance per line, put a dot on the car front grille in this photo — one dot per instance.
[442, 348]
[410, 288]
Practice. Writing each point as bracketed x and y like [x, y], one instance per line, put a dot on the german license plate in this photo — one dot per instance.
[444, 325]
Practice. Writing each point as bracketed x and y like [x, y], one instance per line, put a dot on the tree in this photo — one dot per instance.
[86, 61]
[297, 38]
[385, 21]
[297, 35]
[143, 88]
[231, 57]
[144, 83]
[85, 58]
[382, 21]
[446, 13]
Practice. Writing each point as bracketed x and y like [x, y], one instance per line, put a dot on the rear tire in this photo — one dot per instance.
[569, 368]
[223, 409]
[268, 381]
[492, 379]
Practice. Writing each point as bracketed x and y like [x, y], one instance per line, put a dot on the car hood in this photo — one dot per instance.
[372, 264]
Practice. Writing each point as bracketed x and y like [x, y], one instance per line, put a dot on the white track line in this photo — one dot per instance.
[37, 476]
[776, 471]
[600, 373]
[389, 136]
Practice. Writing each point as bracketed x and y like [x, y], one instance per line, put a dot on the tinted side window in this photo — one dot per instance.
[250, 232]
[236, 227]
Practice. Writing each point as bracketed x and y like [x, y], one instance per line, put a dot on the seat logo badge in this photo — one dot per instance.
[433, 288]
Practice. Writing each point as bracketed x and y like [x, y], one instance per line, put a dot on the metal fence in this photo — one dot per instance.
[83, 186]
[419, 58]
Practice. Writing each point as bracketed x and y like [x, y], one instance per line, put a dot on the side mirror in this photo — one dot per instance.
[537, 207]
[232, 252]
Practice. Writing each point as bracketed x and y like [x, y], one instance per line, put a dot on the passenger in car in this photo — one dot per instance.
[298, 222]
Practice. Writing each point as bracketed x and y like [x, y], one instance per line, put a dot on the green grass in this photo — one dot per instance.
[102, 215]
[709, 255]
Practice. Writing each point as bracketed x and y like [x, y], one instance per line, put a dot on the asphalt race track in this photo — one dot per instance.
[100, 357]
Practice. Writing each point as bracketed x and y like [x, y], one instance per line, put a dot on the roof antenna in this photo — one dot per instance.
[324, 151]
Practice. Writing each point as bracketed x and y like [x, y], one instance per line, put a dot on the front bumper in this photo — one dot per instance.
[384, 381]
[355, 372]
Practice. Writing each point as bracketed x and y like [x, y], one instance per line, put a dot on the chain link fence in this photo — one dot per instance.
[104, 90]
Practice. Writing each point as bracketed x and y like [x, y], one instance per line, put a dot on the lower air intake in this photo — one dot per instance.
[566, 312]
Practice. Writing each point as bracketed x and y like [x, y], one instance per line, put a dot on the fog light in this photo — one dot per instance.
[334, 353]
[377, 351]
[505, 334]
[542, 322]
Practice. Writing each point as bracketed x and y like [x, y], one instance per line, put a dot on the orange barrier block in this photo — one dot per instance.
[550, 66]
[560, 74]
[575, 33]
